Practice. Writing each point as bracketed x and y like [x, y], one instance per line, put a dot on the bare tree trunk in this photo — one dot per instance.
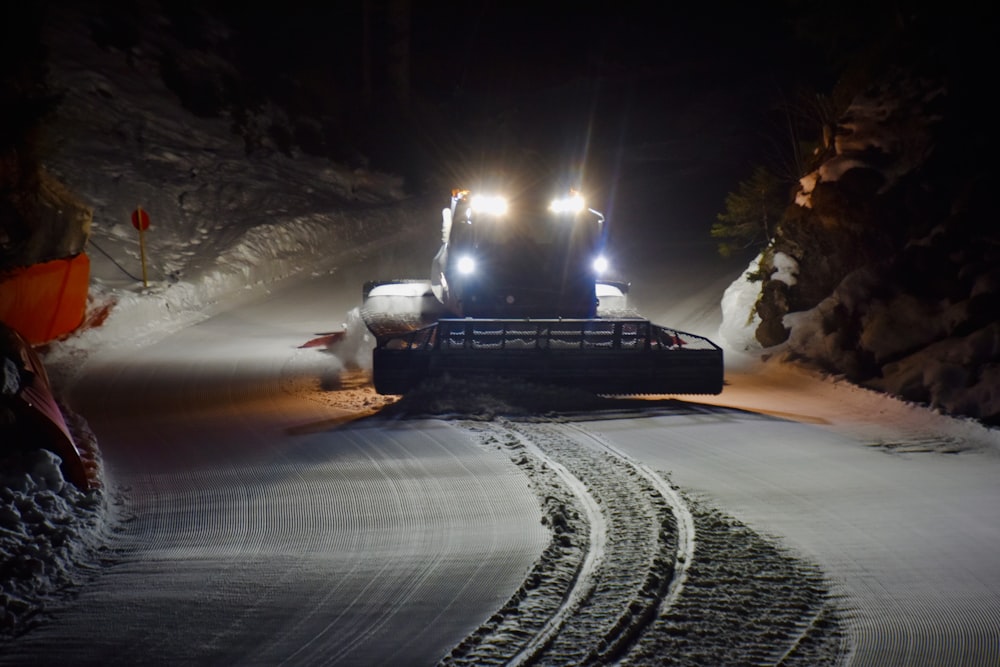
[398, 51]
[366, 52]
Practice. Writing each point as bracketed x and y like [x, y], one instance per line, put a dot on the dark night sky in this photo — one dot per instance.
[561, 76]
[660, 102]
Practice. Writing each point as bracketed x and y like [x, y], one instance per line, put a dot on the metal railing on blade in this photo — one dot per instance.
[534, 334]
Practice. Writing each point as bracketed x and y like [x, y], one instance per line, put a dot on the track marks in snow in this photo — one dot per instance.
[923, 445]
[636, 573]
[745, 601]
[534, 611]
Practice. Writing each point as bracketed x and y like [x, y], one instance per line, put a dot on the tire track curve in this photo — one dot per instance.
[616, 554]
[625, 581]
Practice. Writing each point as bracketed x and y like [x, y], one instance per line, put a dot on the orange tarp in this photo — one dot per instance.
[45, 301]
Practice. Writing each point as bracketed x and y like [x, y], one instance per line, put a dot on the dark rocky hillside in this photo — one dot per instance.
[897, 249]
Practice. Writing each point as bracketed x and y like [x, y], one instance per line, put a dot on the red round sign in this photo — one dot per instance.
[140, 219]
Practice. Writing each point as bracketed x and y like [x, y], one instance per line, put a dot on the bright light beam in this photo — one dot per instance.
[490, 205]
[571, 204]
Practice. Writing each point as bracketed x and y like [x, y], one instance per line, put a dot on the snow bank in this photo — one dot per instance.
[739, 315]
[51, 533]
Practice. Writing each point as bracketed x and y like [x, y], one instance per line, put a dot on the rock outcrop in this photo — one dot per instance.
[897, 255]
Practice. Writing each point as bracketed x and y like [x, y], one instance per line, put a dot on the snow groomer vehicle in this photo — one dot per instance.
[517, 290]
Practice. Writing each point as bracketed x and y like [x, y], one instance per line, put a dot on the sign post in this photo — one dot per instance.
[140, 220]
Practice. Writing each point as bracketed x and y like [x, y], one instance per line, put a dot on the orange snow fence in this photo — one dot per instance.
[45, 301]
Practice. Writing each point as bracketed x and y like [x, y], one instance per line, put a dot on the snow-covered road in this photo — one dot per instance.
[264, 523]
[909, 538]
[257, 533]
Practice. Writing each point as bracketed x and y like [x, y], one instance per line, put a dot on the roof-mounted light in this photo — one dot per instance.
[571, 204]
[489, 204]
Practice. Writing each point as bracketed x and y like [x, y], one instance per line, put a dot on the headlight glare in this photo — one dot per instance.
[466, 265]
[489, 204]
[574, 203]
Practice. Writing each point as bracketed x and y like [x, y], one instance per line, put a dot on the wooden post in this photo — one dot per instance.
[142, 247]
[140, 220]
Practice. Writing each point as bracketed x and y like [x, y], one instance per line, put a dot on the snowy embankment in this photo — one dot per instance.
[879, 271]
[51, 532]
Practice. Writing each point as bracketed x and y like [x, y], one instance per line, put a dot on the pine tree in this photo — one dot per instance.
[751, 214]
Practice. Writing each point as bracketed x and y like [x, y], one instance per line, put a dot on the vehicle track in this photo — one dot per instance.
[624, 579]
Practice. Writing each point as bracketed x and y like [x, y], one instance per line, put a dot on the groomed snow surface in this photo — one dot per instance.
[772, 502]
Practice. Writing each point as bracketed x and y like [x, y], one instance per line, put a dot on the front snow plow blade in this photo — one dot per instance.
[615, 356]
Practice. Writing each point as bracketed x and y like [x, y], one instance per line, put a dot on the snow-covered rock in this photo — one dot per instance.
[881, 271]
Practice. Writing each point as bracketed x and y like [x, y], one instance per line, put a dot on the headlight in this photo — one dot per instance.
[600, 265]
[574, 203]
[490, 205]
[466, 265]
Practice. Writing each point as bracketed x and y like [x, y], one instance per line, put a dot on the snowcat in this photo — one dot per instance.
[516, 290]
